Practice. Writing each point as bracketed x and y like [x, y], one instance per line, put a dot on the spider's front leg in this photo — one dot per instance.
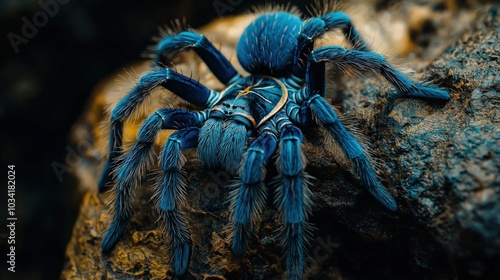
[184, 87]
[137, 162]
[216, 62]
[249, 198]
[363, 62]
[316, 27]
[312, 100]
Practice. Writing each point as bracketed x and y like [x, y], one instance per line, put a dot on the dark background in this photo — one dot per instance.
[44, 88]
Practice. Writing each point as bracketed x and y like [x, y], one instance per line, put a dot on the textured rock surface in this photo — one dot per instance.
[444, 159]
[440, 160]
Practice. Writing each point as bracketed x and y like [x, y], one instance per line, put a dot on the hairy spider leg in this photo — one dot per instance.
[184, 87]
[293, 197]
[359, 61]
[249, 196]
[318, 26]
[171, 194]
[136, 162]
[216, 62]
[326, 116]
[362, 62]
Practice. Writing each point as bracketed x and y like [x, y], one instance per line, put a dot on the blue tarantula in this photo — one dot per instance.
[239, 128]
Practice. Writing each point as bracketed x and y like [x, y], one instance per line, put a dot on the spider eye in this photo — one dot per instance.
[225, 104]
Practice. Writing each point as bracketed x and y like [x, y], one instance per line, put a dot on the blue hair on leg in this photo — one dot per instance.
[121, 216]
[136, 162]
[141, 154]
[368, 178]
[327, 116]
[172, 186]
[115, 151]
[171, 193]
[409, 88]
[292, 198]
[294, 234]
[118, 116]
[186, 88]
[115, 230]
[249, 198]
[128, 176]
[362, 165]
[232, 146]
[241, 237]
[318, 26]
[216, 62]
[291, 170]
[171, 45]
[337, 19]
[362, 61]
[175, 225]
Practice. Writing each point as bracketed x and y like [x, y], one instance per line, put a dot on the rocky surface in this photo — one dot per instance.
[441, 160]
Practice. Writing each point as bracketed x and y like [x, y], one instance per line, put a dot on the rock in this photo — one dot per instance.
[441, 161]
[444, 158]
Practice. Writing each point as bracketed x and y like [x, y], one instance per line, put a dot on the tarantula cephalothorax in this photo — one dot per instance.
[242, 126]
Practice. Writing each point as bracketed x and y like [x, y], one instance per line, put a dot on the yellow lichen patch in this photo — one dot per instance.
[213, 277]
[81, 260]
[218, 243]
[222, 260]
[140, 236]
[399, 117]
